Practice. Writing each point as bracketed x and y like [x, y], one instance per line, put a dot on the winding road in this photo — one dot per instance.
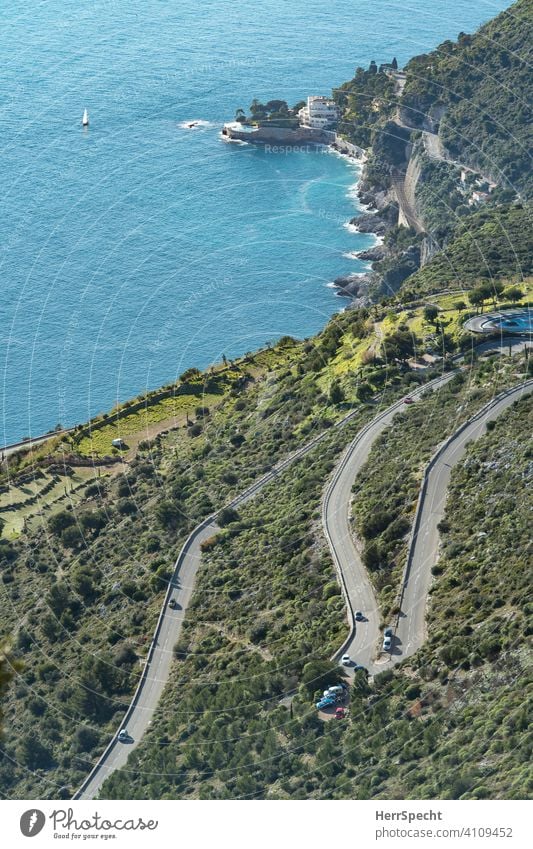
[363, 640]
[156, 669]
[410, 632]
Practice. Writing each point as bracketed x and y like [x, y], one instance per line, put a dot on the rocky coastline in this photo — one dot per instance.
[378, 219]
[391, 260]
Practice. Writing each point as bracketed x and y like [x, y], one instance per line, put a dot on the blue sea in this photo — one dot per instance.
[139, 247]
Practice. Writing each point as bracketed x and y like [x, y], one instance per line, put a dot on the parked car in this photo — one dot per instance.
[172, 603]
[359, 616]
[408, 401]
[338, 688]
[327, 701]
[387, 632]
[387, 643]
[123, 735]
[340, 713]
[346, 660]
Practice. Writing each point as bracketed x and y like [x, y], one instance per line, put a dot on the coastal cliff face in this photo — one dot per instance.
[461, 112]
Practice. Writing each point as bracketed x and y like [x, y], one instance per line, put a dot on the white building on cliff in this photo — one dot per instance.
[320, 113]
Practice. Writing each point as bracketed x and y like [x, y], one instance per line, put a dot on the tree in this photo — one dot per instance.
[60, 521]
[7, 670]
[495, 290]
[257, 109]
[430, 313]
[277, 106]
[336, 393]
[127, 507]
[513, 294]
[394, 63]
[94, 520]
[226, 516]
[372, 68]
[477, 298]
[86, 738]
[189, 374]
[459, 306]
[400, 346]
[72, 537]
[363, 391]
[58, 598]
[34, 754]
[168, 514]
[319, 674]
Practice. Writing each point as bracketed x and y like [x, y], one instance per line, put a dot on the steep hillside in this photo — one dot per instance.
[83, 577]
[481, 89]
[450, 138]
[491, 244]
[238, 720]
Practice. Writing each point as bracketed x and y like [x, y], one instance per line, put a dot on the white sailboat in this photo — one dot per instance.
[85, 119]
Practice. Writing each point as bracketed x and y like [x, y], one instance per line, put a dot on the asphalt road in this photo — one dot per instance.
[157, 667]
[487, 322]
[410, 632]
[363, 641]
[357, 588]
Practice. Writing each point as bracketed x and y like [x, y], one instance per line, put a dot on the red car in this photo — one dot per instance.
[340, 713]
[408, 401]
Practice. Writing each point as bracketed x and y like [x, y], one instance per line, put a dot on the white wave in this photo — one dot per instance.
[232, 141]
[352, 228]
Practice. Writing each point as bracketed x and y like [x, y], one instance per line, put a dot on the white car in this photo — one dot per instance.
[346, 660]
[123, 735]
[387, 643]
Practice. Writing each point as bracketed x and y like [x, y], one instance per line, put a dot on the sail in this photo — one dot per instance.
[85, 119]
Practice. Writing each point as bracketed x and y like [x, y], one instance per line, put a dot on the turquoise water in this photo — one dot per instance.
[139, 247]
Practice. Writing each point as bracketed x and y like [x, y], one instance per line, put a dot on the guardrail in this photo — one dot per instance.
[239, 499]
[423, 489]
[397, 406]
[211, 519]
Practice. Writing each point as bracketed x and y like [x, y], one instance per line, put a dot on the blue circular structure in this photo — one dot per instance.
[517, 321]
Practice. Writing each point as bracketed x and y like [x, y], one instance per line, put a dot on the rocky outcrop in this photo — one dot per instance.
[403, 266]
[356, 286]
[370, 223]
[375, 254]
[417, 114]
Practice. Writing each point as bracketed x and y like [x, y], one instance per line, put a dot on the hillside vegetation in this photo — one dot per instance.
[483, 87]
[237, 721]
[83, 580]
[489, 245]
[453, 137]
[386, 491]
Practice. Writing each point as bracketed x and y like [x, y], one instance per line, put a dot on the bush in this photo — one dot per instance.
[126, 507]
[72, 537]
[227, 516]
[60, 521]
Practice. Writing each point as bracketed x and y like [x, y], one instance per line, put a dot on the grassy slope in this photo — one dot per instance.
[386, 492]
[80, 602]
[225, 728]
